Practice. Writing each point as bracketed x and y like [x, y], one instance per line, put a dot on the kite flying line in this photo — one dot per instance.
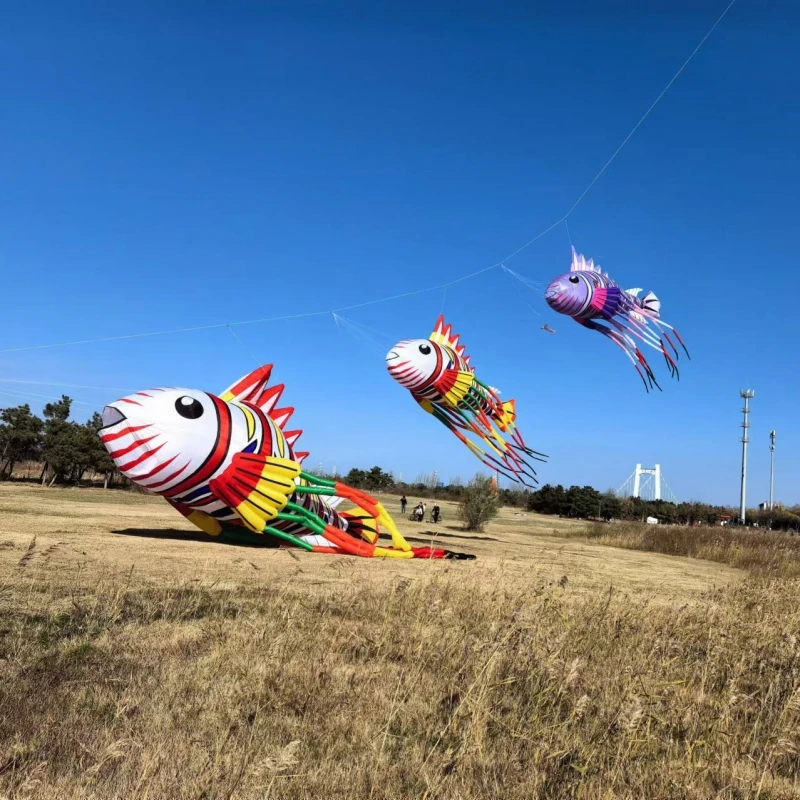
[440, 286]
[36, 396]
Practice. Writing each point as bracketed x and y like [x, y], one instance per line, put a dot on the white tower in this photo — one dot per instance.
[637, 480]
[747, 395]
[771, 469]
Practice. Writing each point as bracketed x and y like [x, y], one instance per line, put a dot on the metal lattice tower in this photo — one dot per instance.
[747, 395]
[771, 470]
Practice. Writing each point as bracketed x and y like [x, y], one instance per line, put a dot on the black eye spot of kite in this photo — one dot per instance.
[425, 349]
[573, 279]
[188, 407]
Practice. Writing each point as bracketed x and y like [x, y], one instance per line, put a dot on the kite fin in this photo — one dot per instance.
[454, 385]
[633, 292]
[580, 264]
[200, 519]
[507, 415]
[425, 405]
[256, 487]
[254, 388]
[443, 334]
[606, 300]
[250, 388]
[361, 523]
[652, 303]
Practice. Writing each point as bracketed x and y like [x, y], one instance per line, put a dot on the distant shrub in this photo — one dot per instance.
[479, 503]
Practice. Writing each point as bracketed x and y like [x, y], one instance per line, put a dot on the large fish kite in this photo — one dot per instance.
[438, 374]
[594, 300]
[228, 464]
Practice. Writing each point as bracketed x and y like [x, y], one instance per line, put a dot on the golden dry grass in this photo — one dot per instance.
[759, 551]
[151, 666]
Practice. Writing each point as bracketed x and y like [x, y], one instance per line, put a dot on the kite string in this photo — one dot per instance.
[68, 385]
[189, 329]
[362, 334]
[33, 395]
[430, 288]
[246, 348]
[524, 282]
[653, 105]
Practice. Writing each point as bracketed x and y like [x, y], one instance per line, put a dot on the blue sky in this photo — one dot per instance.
[175, 164]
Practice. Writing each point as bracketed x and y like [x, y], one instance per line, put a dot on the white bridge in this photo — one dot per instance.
[648, 483]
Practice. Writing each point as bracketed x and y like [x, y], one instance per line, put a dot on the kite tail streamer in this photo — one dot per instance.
[517, 437]
[633, 327]
[510, 454]
[366, 520]
[628, 346]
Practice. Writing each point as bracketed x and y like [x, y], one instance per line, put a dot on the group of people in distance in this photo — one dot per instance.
[418, 514]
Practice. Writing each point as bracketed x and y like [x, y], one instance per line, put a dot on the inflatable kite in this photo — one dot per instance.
[591, 298]
[228, 464]
[437, 373]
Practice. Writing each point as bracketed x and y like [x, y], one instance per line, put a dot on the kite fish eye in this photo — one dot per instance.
[188, 407]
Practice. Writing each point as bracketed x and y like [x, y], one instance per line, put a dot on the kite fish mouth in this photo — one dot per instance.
[112, 416]
[552, 291]
[392, 355]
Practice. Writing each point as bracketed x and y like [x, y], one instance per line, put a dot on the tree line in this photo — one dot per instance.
[65, 450]
[585, 502]
[69, 452]
[579, 502]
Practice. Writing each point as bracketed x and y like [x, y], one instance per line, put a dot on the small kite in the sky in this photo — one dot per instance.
[547, 328]
[438, 374]
[591, 298]
[228, 464]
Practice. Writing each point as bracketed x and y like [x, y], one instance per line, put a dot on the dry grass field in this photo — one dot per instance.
[139, 660]
[760, 552]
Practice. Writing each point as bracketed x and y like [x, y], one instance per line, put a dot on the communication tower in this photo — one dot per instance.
[771, 469]
[747, 395]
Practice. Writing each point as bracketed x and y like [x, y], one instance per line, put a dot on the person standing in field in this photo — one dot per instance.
[403, 504]
[435, 513]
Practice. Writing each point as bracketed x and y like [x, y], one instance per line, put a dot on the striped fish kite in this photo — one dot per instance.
[438, 374]
[228, 464]
[594, 300]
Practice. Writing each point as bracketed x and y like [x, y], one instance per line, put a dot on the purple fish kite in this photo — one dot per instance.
[591, 298]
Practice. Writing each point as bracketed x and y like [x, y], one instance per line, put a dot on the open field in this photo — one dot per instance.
[760, 552]
[138, 659]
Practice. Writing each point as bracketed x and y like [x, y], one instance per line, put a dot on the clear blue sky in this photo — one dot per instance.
[172, 164]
